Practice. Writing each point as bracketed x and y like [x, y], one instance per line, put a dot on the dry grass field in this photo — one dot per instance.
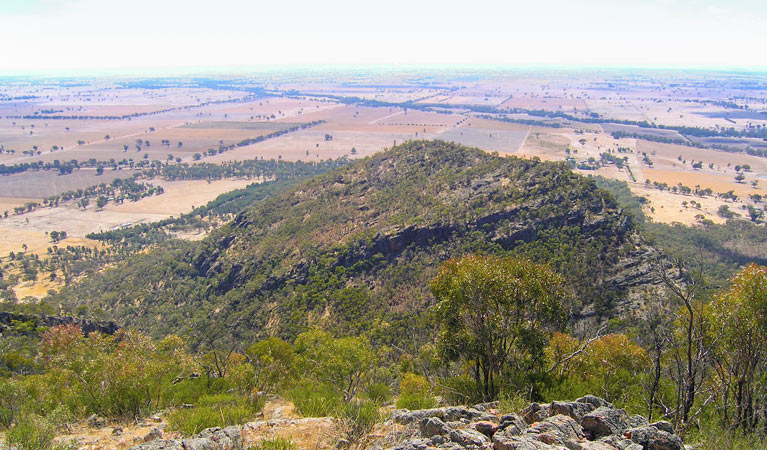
[203, 117]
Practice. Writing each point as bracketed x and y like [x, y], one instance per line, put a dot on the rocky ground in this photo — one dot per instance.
[589, 423]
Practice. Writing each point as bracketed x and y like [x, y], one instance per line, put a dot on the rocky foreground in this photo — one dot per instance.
[589, 423]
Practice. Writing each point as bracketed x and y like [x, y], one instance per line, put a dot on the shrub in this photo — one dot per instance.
[313, 400]
[358, 419]
[379, 393]
[218, 410]
[31, 433]
[415, 393]
[461, 390]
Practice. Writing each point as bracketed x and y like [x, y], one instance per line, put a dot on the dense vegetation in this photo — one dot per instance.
[353, 288]
[353, 250]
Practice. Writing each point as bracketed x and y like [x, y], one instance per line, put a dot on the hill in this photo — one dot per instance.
[354, 249]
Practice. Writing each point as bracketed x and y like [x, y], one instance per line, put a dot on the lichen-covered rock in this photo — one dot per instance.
[604, 421]
[652, 438]
[486, 428]
[447, 414]
[433, 426]
[557, 430]
[468, 437]
[595, 401]
[535, 412]
[576, 410]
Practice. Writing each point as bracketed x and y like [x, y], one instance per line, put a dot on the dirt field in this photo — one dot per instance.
[179, 197]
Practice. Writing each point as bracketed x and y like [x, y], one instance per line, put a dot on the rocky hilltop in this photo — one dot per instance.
[356, 248]
[588, 423]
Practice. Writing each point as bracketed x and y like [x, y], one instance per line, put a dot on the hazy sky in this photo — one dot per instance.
[40, 35]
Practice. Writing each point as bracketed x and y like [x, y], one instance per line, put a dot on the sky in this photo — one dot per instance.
[92, 36]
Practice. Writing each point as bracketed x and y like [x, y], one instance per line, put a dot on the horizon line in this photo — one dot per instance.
[246, 69]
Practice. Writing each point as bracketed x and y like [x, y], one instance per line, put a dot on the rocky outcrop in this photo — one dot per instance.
[588, 423]
[238, 437]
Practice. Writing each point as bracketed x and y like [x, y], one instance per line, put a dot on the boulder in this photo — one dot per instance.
[512, 424]
[433, 426]
[154, 434]
[595, 401]
[652, 438]
[576, 410]
[557, 430]
[486, 428]
[521, 443]
[535, 412]
[468, 437]
[604, 421]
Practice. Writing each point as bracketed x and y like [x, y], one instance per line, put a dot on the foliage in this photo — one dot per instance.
[415, 393]
[495, 313]
[214, 411]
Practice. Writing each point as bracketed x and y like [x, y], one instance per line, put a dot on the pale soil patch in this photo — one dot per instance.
[545, 145]
[717, 182]
[179, 197]
[668, 206]
[13, 238]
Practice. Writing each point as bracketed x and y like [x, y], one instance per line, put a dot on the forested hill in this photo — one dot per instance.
[353, 250]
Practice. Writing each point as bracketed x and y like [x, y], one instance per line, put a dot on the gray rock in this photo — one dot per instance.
[594, 401]
[447, 414]
[486, 407]
[604, 421]
[535, 412]
[520, 443]
[617, 441]
[637, 421]
[663, 426]
[468, 437]
[486, 428]
[160, 444]
[95, 421]
[117, 431]
[153, 434]
[432, 426]
[557, 430]
[199, 444]
[576, 410]
[652, 438]
[513, 424]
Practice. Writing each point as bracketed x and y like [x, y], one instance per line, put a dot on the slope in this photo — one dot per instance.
[353, 250]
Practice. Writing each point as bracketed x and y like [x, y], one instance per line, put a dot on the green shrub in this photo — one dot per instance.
[415, 393]
[217, 410]
[510, 402]
[415, 401]
[461, 390]
[31, 433]
[313, 400]
[379, 393]
[358, 419]
[274, 444]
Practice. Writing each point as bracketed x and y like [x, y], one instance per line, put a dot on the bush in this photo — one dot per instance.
[358, 419]
[31, 433]
[274, 444]
[313, 400]
[379, 393]
[415, 393]
[218, 410]
[461, 390]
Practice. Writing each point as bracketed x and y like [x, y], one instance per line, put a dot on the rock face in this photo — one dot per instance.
[589, 423]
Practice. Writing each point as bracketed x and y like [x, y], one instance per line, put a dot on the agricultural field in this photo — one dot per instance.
[127, 126]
